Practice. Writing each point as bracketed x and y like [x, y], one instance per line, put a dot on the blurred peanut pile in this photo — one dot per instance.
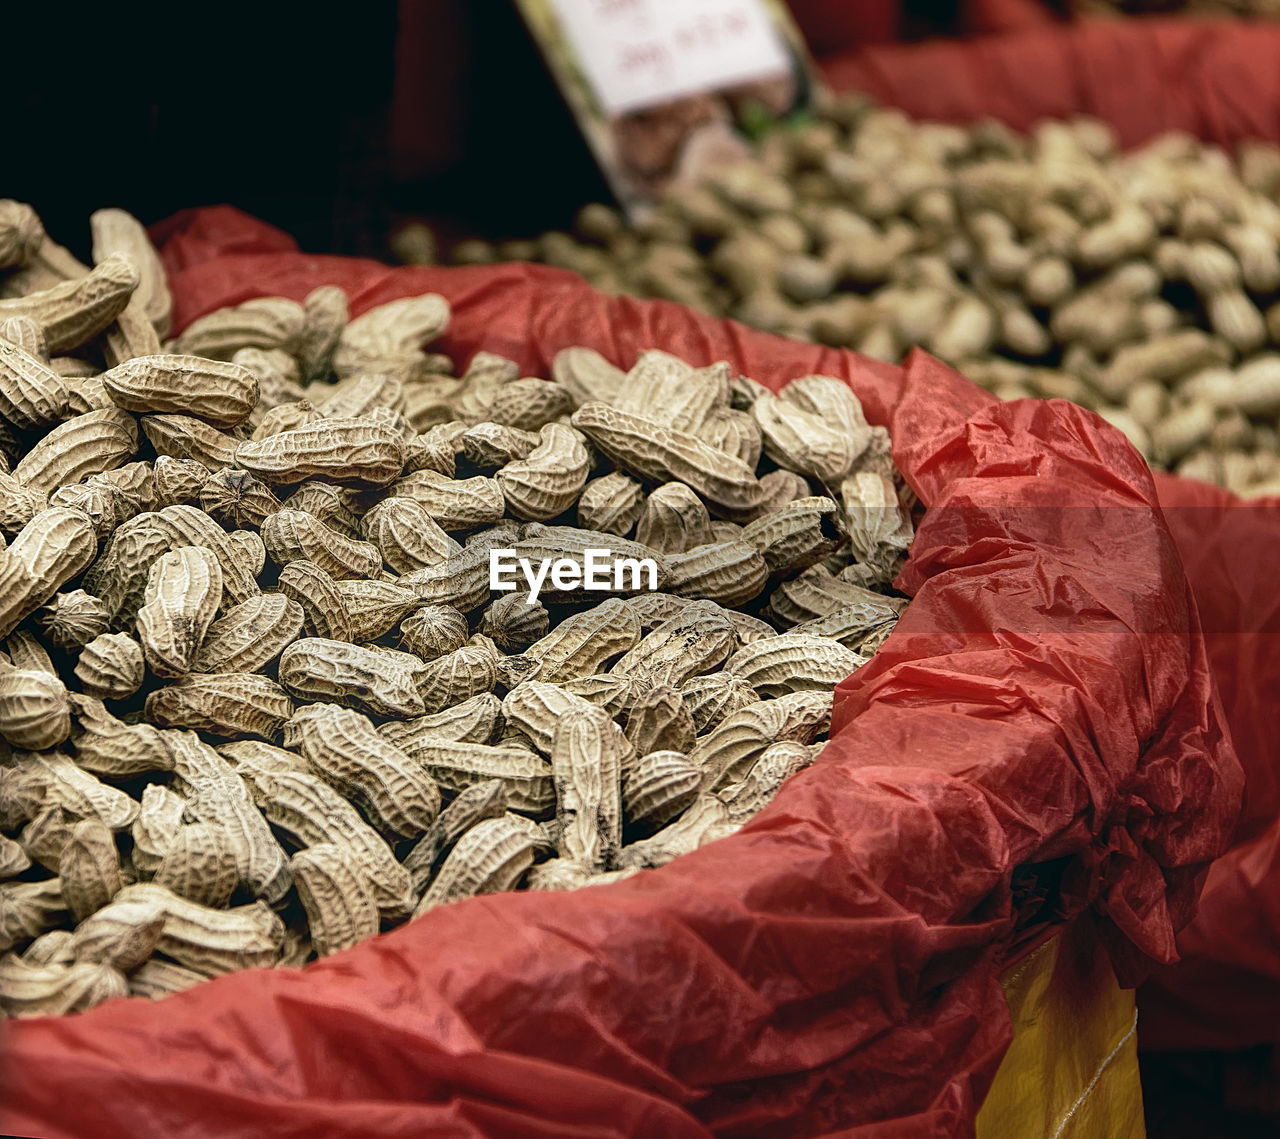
[1144, 285]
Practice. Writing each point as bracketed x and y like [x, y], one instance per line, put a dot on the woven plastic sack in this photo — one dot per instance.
[1038, 738]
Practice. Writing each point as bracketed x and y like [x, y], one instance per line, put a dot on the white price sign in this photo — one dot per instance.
[639, 53]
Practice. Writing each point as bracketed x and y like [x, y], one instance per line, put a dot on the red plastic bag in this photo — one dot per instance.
[1217, 80]
[1225, 992]
[1038, 737]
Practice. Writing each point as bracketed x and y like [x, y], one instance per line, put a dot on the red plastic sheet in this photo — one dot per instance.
[1216, 79]
[1044, 707]
[1225, 993]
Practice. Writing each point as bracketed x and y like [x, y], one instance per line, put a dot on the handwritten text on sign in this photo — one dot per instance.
[638, 53]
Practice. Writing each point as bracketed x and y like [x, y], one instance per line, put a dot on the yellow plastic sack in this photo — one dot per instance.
[1072, 1069]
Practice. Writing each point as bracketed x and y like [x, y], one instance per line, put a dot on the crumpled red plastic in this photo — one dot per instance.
[1225, 993]
[1216, 79]
[1039, 736]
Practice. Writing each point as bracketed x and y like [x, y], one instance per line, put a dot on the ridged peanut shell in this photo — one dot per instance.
[72, 312]
[657, 787]
[549, 481]
[455, 504]
[433, 631]
[264, 322]
[513, 623]
[85, 445]
[728, 573]
[236, 499]
[457, 676]
[250, 635]
[219, 392]
[32, 395]
[375, 607]
[794, 662]
[34, 713]
[111, 667]
[611, 504]
[674, 519]
[89, 868]
[184, 590]
[294, 535]
[382, 682]
[324, 611]
[653, 451]
[691, 643]
[581, 645]
[200, 865]
[711, 698]
[186, 437]
[490, 858]
[339, 900]
[407, 535]
[488, 446]
[210, 941]
[225, 704]
[108, 746]
[797, 535]
[120, 934]
[474, 720]
[396, 794]
[80, 793]
[352, 450]
[310, 812]
[217, 795]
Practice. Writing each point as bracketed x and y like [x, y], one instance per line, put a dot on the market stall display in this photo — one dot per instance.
[290, 569]
[943, 827]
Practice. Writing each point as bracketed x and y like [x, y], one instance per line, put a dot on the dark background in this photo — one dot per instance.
[335, 123]
[289, 115]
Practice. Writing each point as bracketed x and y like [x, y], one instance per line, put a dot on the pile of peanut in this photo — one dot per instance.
[1144, 285]
[258, 701]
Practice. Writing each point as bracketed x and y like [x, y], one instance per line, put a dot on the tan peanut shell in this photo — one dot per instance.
[487, 800]
[375, 607]
[215, 794]
[311, 812]
[226, 704]
[324, 612]
[490, 857]
[340, 904]
[397, 795]
[265, 322]
[71, 312]
[357, 450]
[382, 682]
[208, 941]
[32, 395]
[85, 445]
[407, 536]
[653, 451]
[184, 590]
[34, 713]
[107, 746]
[611, 504]
[658, 787]
[294, 535]
[220, 393]
[111, 666]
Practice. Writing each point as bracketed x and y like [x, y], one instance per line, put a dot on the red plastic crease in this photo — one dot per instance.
[1217, 80]
[1039, 736]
